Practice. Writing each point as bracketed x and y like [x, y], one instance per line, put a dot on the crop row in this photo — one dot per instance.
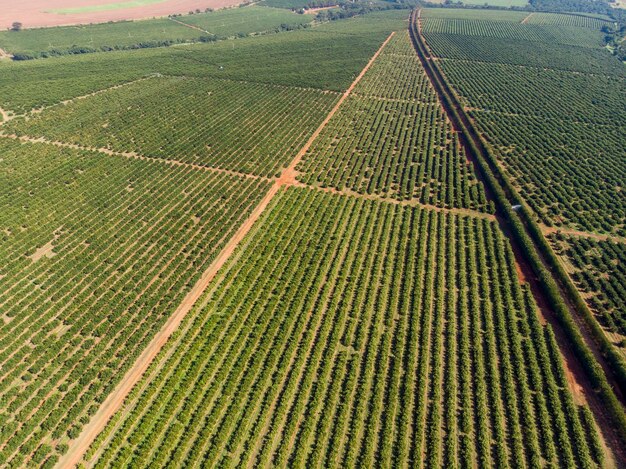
[383, 142]
[118, 34]
[517, 52]
[536, 250]
[507, 30]
[569, 173]
[558, 134]
[599, 270]
[308, 353]
[555, 19]
[331, 61]
[474, 14]
[538, 92]
[251, 128]
[404, 150]
[397, 74]
[96, 252]
[238, 21]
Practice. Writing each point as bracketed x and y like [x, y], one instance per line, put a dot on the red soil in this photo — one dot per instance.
[32, 13]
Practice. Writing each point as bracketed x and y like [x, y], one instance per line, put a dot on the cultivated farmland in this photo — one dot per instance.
[391, 138]
[362, 243]
[559, 134]
[238, 21]
[292, 359]
[509, 30]
[123, 34]
[560, 160]
[148, 33]
[97, 251]
[218, 123]
[598, 267]
[336, 53]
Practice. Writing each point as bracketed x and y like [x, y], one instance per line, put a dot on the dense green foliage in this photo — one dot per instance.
[516, 52]
[308, 353]
[246, 127]
[298, 4]
[391, 138]
[328, 57]
[343, 331]
[506, 89]
[599, 270]
[595, 7]
[474, 14]
[555, 19]
[495, 3]
[96, 252]
[241, 21]
[204, 27]
[527, 235]
[55, 41]
[570, 173]
[559, 134]
[567, 35]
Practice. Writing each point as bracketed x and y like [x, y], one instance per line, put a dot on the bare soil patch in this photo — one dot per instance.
[547, 230]
[313, 11]
[43, 251]
[47, 249]
[33, 13]
[525, 20]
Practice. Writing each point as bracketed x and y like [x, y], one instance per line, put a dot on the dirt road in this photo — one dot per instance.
[115, 400]
[546, 230]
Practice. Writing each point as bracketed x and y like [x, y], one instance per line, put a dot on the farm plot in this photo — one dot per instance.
[508, 30]
[533, 54]
[569, 173]
[95, 252]
[237, 21]
[334, 57]
[245, 127]
[308, 353]
[555, 19]
[547, 94]
[37, 83]
[474, 14]
[95, 37]
[558, 134]
[598, 269]
[391, 138]
[397, 74]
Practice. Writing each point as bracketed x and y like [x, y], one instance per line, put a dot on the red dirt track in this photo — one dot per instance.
[32, 13]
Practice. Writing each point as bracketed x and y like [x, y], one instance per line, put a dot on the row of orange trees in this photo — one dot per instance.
[129, 239]
[311, 352]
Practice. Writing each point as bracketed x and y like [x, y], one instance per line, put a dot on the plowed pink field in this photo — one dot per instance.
[37, 13]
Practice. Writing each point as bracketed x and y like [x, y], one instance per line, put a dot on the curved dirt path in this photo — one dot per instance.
[116, 399]
[546, 230]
